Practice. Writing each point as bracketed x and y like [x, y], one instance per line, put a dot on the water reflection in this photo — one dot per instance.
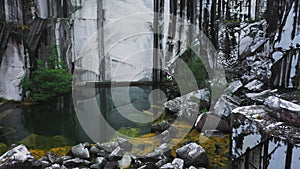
[254, 148]
[93, 121]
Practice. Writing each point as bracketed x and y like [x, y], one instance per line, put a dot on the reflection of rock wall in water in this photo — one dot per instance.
[287, 46]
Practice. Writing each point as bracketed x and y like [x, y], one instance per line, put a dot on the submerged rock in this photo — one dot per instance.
[193, 154]
[161, 127]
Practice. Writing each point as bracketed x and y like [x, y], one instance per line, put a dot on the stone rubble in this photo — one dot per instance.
[85, 156]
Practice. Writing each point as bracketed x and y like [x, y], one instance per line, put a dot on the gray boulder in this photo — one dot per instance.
[17, 154]
[125, 144]
[193, 154]
[80, 151]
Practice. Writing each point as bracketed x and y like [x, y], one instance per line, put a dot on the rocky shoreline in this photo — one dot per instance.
[109, 156]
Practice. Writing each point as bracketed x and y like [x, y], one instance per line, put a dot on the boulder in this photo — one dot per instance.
[99, 163]
[109, 147]
[161, 162]
[224, 106]
[111, 165]
[159, 153]
[167, 166]
[54, 166]
[194, 100]
[234, 86]
[193, 154]
[125, 144]
[178, 163]
[148, 165]
[284, 110]
[161, 126]
[254, 85]
[212, 122]
[125, 161]
[17, 155]
[116, 154]
[80, 151]
[76, 162]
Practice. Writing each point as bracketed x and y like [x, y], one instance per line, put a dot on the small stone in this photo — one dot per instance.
[216, 133]
[165, 136]
[111, 165]
[159, 152]
[37, 164]
[161, 162]
[54, 166]
[109, 147]
[99, 163]
[18, 154]
[125, 144]
[193, 154]
[63, 167]
[100, 160]
[80, 151]
[87, 145]
[76, 162]
[45, 164]
[224, 106]
[254, 85]
[160, 127]
[234, 86]
[125, 161]
[116, 154]
[94, 150]
[192, 167]
[212, 122]
[167, 166]
[148, 165]
[178, 163]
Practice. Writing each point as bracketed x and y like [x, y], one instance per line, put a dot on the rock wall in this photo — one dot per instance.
[13, 62]
[114, 54]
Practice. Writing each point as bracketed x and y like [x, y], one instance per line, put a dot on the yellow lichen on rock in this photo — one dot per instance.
[37, 153]
[148, 135]
[217, 149]
[62, 151]
[59, 151]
